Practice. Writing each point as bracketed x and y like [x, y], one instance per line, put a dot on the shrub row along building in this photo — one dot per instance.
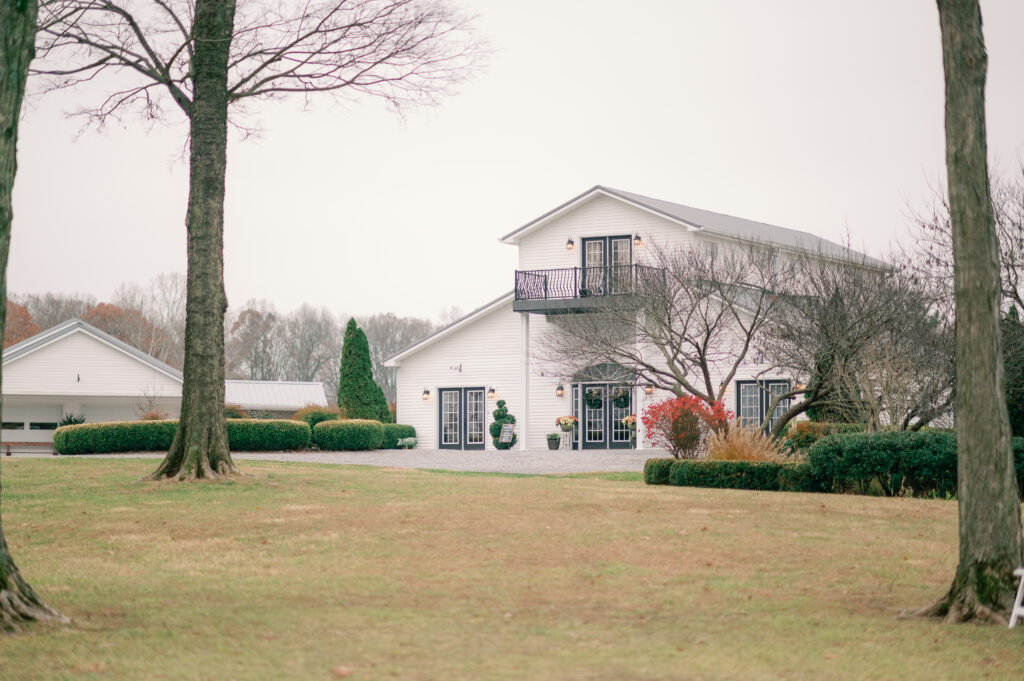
[76, 369]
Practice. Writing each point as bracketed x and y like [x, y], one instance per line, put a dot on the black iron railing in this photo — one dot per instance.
[583, 282]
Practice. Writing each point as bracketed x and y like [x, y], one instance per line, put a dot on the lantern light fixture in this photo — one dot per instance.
[559, 391]
[570, 244]
[649, 389]
[490, 393]
[637, 241]
[426, 393]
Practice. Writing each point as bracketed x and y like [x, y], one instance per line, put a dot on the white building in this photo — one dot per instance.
[448, 383]
[76, 369]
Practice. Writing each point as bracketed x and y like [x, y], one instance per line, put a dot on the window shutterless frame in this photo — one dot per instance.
[753, 400]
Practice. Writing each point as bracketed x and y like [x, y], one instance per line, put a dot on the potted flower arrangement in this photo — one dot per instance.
[566, 423]
[554, 440]
[630, 422]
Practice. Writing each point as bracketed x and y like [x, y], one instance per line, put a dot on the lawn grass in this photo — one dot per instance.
[399, 574]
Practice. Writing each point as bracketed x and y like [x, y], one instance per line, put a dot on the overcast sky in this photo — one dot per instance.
[818, 115]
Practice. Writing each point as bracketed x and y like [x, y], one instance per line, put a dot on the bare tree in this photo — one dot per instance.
[255, 345]
[932, 253]
[387, 334]
[990, 519]
[207, 56]
[868, 341]
[690, 322]
[312, 342]
[50, 309]
[18, 602]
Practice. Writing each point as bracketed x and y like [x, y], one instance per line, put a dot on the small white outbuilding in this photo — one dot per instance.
[74, 368]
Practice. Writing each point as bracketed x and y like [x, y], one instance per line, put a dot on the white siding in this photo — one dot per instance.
[487, 350]
[79, 364]
[544, 248]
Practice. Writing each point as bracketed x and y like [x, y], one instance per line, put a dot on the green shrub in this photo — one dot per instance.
[267, 435]
[393, 432]
[71, 420]
[348, 435]
[501, 417]
[803, 434]
[656, 471]
[119, 436]
[314, 414]
[924, 463]
[250, 435]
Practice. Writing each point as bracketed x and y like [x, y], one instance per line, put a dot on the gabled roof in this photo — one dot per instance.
[64, 329]
[697, 219]
[275, 395]
[451, 328]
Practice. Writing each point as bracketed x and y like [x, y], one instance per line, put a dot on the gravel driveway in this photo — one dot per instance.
[534, 462]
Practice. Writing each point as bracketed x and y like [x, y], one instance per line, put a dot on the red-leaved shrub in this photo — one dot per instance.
[681, 424]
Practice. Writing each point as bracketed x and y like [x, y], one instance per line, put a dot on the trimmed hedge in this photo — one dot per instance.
[349, 435]
[252, 435]
[918, 463]
[750, 475]
[656, 471]
[267, 435]
[118, 436]
[393, 432]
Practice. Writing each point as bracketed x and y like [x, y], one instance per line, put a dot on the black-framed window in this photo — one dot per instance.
[14, 425]
[34, 425]
[753, 399]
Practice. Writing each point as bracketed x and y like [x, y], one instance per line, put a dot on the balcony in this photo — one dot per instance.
[579, 289]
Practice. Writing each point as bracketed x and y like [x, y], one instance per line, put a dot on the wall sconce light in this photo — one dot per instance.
[799, 386]
[648, 389]
[559, 391]
[490, 393]
[426, 394]
[637, 241]
[570, 244]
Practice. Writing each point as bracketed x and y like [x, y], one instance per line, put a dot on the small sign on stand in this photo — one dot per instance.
[507, 431]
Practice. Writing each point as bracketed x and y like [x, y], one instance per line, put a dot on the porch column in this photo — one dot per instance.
[524, 378]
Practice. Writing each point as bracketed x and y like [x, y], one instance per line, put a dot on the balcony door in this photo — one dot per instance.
[606, 265]
[461, 418]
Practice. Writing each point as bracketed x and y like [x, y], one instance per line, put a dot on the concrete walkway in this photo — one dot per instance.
[532, 462]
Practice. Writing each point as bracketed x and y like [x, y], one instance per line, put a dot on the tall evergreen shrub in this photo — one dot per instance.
[359, 396]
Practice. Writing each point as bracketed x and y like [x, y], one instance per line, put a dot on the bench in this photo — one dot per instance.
[1018, 607]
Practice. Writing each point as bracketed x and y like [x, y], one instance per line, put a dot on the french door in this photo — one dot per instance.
[461, 418]
[600, 408]
[606, 265]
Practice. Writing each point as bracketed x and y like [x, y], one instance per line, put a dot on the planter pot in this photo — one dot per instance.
[554, 444]
[566, 429]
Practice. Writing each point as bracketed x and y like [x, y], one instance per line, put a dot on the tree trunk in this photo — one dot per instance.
[990, 520]
[200, 447]
[18, 603]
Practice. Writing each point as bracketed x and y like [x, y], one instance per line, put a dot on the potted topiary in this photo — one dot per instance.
[554, 440]
[501, 418]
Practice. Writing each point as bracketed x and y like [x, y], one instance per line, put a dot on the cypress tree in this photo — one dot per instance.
[358, 394]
